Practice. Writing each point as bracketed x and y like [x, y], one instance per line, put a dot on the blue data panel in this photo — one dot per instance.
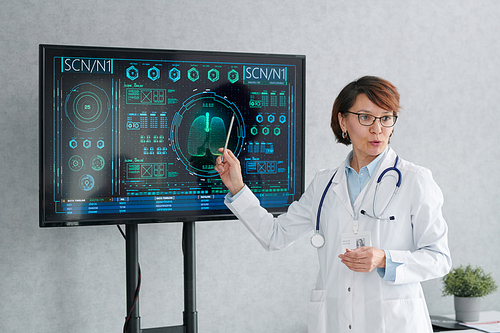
[133, 134]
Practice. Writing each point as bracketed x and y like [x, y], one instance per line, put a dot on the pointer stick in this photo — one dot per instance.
[227, 139]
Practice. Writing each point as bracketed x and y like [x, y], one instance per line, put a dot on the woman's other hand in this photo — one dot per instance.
[363, 259]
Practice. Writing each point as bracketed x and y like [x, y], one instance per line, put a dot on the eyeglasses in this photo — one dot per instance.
[368, 120]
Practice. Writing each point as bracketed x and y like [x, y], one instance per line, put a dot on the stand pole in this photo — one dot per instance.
[132, 271]
[188, 244]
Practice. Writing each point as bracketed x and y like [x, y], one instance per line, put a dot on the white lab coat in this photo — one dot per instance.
[347, 301]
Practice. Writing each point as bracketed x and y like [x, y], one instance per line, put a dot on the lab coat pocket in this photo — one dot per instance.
[406, 315]
[316, 312]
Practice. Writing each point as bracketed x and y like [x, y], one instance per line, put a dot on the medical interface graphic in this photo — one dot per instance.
[138, 135]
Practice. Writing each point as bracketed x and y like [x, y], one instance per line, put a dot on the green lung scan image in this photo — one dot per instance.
[205, 134]
[200, 128]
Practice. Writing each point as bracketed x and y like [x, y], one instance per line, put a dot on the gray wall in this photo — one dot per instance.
[443, 55]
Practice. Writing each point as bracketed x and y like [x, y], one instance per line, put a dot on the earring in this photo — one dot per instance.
[344, 135]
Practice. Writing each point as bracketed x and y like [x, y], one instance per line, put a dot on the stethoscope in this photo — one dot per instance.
[318, 240]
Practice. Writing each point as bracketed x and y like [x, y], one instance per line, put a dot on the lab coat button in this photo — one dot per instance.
[350, 327]
[349, 289]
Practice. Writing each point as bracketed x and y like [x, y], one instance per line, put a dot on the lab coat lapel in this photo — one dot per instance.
[340, 189]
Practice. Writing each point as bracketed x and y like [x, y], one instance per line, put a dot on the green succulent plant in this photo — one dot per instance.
[468, 281]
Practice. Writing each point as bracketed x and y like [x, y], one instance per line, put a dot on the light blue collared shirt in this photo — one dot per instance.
[357, 181]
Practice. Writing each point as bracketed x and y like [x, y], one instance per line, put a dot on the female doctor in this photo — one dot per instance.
[391, 205]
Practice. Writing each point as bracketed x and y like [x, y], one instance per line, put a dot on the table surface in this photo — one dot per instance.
[483, 316]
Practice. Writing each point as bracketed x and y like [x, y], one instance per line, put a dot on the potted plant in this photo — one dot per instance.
[468, 285]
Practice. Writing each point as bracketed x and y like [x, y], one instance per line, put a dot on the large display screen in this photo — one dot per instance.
[132, 135]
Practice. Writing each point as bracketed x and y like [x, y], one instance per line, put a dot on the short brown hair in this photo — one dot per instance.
[379, 91]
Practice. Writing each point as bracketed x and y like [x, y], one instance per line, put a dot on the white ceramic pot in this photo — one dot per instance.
[467, 308]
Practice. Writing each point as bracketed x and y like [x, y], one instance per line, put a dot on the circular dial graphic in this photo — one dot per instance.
[87, 107]
[86, 182]
[200, 128]
[75, 163]
[97, 162]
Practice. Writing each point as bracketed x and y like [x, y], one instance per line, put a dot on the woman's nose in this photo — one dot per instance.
[376, 127]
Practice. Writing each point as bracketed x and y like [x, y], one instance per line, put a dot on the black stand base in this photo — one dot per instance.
[132, 270]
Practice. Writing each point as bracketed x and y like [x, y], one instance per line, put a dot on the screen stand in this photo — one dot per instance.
[189, 251]
[132, 271]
